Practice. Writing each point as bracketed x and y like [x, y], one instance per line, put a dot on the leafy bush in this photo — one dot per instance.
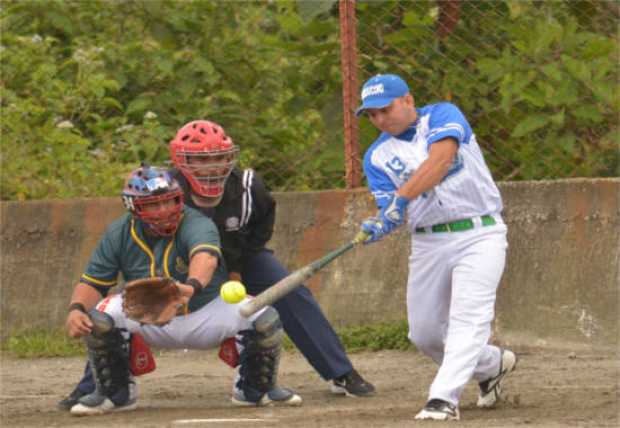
[85, 99]
[90, 89]
[538, 81]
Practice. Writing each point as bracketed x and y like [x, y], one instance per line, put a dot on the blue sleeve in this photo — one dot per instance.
[447, 121]
[379, 182]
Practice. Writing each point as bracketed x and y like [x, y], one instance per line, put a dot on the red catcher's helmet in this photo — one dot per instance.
[205, 155]
[153, 196]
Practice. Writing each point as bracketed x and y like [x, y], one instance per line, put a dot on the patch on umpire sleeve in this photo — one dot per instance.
[232, 223]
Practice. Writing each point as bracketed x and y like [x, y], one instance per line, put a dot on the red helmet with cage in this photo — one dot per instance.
[153, 196]
[205, 155]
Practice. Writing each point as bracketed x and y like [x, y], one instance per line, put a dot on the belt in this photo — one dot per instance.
[457, 226]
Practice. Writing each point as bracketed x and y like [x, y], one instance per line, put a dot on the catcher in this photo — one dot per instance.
[170, 256]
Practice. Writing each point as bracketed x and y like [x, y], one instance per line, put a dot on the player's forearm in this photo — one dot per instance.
[431, 171]
[202, 266]
[86, 295]
[425, 178]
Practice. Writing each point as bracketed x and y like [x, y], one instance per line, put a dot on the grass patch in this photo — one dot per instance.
[42, 344]
[372, 337]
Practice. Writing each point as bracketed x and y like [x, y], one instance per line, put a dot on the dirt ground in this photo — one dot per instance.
[552, 387]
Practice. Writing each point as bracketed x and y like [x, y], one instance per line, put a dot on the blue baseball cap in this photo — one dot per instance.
[380, 90]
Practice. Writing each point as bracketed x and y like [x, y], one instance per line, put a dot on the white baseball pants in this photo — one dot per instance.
[453, 279]
[205, 328]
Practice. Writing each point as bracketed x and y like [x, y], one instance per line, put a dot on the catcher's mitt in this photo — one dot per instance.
[152, 300]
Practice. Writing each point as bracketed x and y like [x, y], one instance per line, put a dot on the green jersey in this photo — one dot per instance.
[125, 248]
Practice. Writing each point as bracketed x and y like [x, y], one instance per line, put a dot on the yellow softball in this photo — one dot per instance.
[232, 292]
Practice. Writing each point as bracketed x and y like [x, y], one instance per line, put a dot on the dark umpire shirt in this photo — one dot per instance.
[244, 217]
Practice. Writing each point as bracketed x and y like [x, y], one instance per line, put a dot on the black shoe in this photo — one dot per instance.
[71, 400]
[352, 385]
[439, 410]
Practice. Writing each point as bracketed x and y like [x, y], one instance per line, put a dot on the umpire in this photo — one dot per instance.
[244, 211]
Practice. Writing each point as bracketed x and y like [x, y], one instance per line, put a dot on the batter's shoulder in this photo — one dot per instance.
[443, 106]
[382, 138]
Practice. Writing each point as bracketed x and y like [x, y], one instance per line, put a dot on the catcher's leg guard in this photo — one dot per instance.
[141, 361]
[109, 360]
[259, 360]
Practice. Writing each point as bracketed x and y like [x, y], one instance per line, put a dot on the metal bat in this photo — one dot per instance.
[294, 280]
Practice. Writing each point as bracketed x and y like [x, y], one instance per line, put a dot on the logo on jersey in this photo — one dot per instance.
[232, 223]
[180, 266]
[372, 90]
[396, 165]
[398, 168]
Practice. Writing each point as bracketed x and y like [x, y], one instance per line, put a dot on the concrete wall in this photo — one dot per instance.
[561, 280]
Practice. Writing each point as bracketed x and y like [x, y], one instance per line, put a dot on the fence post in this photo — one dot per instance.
[348, 64]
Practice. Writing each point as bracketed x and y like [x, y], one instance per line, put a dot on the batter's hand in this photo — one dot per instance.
[78, 324]
[374, 228]
[394, 212]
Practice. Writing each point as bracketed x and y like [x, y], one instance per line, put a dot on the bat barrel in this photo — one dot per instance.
[286, 285]
[276, 291]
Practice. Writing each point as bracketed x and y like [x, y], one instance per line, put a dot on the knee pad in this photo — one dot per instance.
[269, 328]
[103, 325]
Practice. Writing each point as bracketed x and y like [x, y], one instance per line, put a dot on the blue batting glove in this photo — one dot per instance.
[374, 228]
[393, 214]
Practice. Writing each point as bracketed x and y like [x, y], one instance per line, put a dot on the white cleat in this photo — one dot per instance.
[439, 410]
[491, 389]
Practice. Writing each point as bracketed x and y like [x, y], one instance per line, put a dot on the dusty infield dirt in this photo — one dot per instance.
[552, 387]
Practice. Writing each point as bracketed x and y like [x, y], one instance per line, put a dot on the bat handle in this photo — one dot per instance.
[360, 237]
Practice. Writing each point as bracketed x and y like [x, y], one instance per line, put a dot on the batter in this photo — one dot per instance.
[427, 169]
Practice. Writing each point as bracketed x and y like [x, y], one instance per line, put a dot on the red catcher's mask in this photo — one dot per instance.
[205, 155]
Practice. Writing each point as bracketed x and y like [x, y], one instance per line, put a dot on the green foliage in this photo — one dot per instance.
[90, 89]
[55, 343]
[376, 337]
[85, 99]
[537, 80]
[371, 337]
[43, 343]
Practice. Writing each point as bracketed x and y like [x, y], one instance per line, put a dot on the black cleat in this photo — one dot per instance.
[71, 400]
[352, 385]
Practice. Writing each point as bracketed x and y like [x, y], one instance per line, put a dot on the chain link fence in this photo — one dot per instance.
[90, 89]
[538, 80]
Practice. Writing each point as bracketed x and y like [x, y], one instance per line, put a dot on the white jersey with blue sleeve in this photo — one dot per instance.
[467, 190]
